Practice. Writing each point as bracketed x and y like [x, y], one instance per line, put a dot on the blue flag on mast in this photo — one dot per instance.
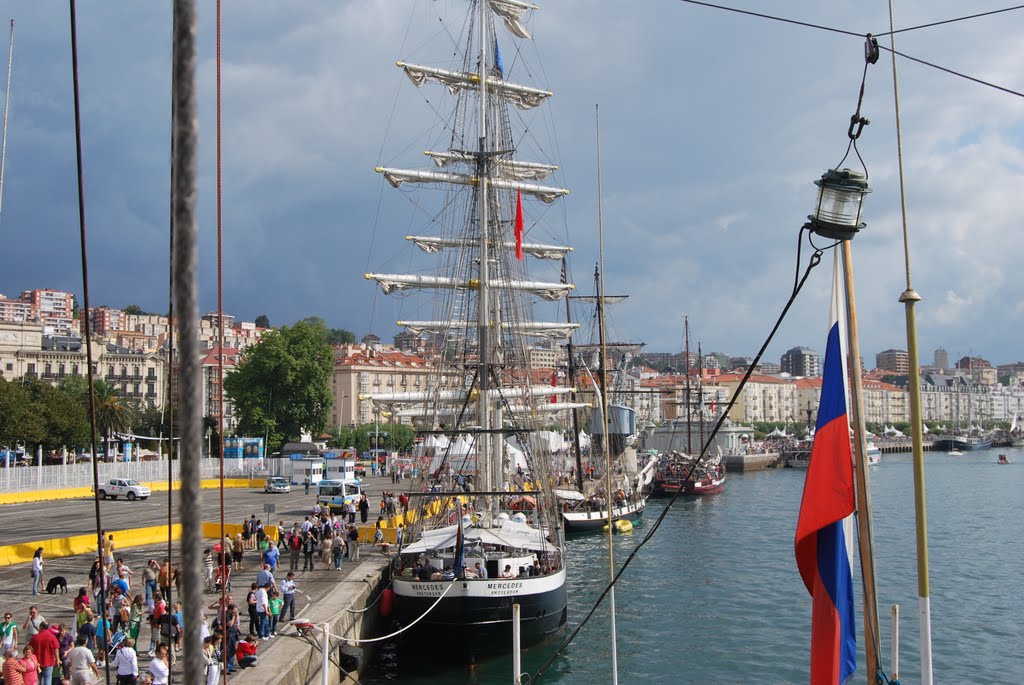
[499, 68]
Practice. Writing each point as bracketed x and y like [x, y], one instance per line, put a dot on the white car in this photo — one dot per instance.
[277, 484]
[123, 487]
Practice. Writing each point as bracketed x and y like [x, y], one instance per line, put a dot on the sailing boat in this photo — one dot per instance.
[586, 508]
[683, 471]
[485, 532]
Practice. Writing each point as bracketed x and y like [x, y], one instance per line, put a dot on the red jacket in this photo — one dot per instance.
[245, 649]
[46, 647]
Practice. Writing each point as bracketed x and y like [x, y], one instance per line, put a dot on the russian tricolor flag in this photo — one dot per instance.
[824, 531]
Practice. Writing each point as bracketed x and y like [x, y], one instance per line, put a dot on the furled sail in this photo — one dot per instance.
[523, 97]
[396, 177]
[508, 168]
[511, 12]
[539, 250]
[536, 329]
[461, 395]
[390, 283]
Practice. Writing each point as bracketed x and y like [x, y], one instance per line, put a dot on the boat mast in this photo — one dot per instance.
[7, 105]
[572, 381]
[689, 397]
[606, 441]
[484, 304]
[700, 394]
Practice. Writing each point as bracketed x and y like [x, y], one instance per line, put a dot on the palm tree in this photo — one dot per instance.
[114, 413]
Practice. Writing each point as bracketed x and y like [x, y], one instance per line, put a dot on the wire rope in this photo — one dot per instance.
[814, 261]
[88, 329]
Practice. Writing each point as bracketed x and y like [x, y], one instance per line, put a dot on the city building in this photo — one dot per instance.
[941, 359]
[896, 361]
[801, 361]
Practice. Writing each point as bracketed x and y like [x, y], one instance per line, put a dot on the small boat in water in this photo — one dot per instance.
[1001, 459]
[676, 473]
[873, 454]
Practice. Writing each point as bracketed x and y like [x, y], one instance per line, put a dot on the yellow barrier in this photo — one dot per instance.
[85, 544]
[155, 486]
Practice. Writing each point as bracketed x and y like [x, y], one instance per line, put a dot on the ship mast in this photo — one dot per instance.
[689, 397]
[484, 304]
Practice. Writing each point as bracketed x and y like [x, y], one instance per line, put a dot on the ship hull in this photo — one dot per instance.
[474, 620]
[590, 521]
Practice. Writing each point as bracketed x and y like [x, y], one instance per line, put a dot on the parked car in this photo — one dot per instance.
[123, 487]
[277, 484]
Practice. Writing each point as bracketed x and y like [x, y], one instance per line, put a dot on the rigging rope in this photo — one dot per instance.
[890, 32]
[814, 261]
[223, 557]
[88, 328]
[402, 630]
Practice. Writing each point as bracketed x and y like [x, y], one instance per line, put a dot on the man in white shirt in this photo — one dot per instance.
[81, 663]
[262, 603]
[288, 595]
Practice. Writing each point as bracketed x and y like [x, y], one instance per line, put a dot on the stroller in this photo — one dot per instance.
[222, 576]
[116, 641]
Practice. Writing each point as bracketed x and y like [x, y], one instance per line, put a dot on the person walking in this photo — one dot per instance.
[13, 671]
[295, 547]
[308, 550]
[352, 511]
[337, 550]
[213, 656]
[47, 651]
[8, 633]
[37, 570]
[126, 661]
[305, 485]
[364, 509]
[31, 664]
[82, 664]
[353, 543]
[288, 596]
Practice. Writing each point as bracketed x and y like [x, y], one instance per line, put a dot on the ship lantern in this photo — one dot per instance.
[841, 195]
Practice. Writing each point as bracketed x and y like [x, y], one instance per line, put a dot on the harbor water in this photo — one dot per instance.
[715, 596]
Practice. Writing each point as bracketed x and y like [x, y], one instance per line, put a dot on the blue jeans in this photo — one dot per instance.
[46, 675]
[262, 624]
[289, 604]
[35, 583]
[337, 559]
[150, 590]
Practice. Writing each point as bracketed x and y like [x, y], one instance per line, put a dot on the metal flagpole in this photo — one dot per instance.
[909, 298]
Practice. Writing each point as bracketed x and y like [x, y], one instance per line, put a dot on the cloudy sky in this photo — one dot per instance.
[713, 128]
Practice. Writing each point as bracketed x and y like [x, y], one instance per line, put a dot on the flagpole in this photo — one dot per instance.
[910, 298]
[867, 562]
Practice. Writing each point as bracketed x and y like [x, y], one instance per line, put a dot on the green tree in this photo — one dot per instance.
[65, 421]
[19, 420]
[262, 321]
[281, 386]
[335, 336]
[133, 309]
[114, 413]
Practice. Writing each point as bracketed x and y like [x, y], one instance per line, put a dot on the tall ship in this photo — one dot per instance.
[484, 530]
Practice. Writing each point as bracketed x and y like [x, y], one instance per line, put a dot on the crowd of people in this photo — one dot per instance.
[34, 651]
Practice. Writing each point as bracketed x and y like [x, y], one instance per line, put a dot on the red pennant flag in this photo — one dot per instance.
[519, 225]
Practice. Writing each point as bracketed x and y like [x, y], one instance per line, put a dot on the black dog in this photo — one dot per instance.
[56, 582]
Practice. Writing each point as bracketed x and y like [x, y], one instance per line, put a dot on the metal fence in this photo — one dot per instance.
[25, 478]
